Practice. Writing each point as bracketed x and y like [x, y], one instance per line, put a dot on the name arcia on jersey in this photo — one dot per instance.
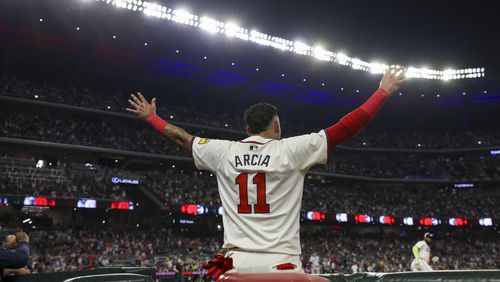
[252, 160]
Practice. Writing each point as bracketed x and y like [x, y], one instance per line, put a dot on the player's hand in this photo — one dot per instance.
[140, 106]
[22, 237]
[392, 80]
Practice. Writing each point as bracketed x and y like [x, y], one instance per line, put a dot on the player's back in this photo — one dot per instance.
[260, 182]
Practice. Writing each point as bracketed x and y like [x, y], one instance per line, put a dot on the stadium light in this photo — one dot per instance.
[233, 30]
[211, 25]
[342, 59]
[322, 54]
[358, 64]
[182, 16]
[377, 68]
[301, 48]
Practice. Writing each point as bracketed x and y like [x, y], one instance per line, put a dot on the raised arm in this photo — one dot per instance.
[354, 122]
[147, 111]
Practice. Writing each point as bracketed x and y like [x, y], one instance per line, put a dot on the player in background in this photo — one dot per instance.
[314, 260]
[422, 253]
[261, 178]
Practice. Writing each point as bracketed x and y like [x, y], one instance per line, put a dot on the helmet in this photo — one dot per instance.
[428, 235]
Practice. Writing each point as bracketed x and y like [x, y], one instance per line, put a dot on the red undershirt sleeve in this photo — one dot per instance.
[354, 122]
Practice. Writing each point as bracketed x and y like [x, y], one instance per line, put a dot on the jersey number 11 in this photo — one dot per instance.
[260, 181]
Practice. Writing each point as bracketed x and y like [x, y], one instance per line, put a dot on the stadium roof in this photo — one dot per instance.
[436, 33]
[81, 32]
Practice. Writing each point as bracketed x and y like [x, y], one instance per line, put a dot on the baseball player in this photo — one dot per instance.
[261, 178]
[422, 253]
[314, 260]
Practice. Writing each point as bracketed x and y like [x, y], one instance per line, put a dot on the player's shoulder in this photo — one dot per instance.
[305, 138]
[203, 141]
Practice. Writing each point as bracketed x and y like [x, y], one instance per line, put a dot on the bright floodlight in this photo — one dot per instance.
[120, 3]
[358, 64]
[322, 54]
[448, 74]
[211, 25]
[233, 30]
[377, 68]
[301, 48]
[184, 17]
[342, 59]
[260, 38]
[151, 9]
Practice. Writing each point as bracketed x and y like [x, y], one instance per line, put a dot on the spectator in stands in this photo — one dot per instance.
[10, 243]
[18, 256]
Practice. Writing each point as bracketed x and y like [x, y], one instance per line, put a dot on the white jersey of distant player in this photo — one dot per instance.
[424, 250]
[314, 261]
[260, 183]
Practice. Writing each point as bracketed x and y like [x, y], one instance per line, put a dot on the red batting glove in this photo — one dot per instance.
[218, 265]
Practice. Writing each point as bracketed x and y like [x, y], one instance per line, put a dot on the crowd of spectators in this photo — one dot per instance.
[191, 187]
[426, 140]
[135, 136]
[78, 130]
[117, 101]
[175, 186]
[419, 201]
[111, 101]
[33, 178]
[69, 249]
[351, 254]
[472, 167]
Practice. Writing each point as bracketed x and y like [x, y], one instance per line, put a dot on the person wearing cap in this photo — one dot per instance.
[422, 253]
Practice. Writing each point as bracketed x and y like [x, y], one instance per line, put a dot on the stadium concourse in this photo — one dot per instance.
[97, 189]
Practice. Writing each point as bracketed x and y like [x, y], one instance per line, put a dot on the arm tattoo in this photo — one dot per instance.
[179, 136]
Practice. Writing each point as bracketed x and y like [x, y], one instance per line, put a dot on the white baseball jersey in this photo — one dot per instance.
[314, 260]
[260, 183]
[424, 251]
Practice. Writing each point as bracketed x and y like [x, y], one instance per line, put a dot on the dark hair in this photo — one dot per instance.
[259, 116]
